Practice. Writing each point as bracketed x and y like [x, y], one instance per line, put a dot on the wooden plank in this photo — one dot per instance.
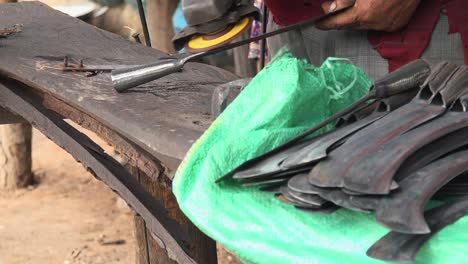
[164, 117]
[202, 250]
[8, 118]
[18, 99]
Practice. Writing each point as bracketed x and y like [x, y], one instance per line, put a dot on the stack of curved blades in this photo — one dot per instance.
[389, 158]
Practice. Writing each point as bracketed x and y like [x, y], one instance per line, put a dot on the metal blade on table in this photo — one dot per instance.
[450, 143]
[402, 211]
[307, 198]
[400, 81]
[270, 165]
[265, 183]
[338, 197]
[331, 172]
[287, 198]
[373, 174]
[319, 148]
[402, 248]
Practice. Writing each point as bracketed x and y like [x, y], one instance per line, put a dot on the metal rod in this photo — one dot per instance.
[125, 79]
[270, 34]
[141, 11]
[263, 42]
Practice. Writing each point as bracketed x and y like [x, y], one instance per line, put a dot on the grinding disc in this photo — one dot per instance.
[209, 41]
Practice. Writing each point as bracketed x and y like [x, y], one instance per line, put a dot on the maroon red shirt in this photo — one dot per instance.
[400, 47]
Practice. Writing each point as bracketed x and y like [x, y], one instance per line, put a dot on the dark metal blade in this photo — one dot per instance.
[338, 197]
[402, 211]
[307, 198]
[264, 183]
[431, 152]
[405, 79]
[293, 201]
[402, 248]
[270, 165]
[331, 172]
[374, 173]
[319, 148]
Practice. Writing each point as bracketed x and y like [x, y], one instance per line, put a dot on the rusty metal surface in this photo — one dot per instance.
[8, 31]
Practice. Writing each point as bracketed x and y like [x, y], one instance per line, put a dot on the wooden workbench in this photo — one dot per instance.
[152, 126]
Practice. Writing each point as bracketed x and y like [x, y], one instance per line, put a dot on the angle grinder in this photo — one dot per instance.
[213, 23]
[203, 44]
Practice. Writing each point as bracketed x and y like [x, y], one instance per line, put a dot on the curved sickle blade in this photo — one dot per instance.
[319, 148]
[402, 248]
[402, 211]
[336, 196]
[271, 165]
[307, 198]
[405, 79]
[331, 172]
[374, 174]
[431, 152]
[288, 198]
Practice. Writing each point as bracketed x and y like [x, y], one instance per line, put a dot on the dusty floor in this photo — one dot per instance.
[66, 217]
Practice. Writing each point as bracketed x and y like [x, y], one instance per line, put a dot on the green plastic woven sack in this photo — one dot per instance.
[285, 99]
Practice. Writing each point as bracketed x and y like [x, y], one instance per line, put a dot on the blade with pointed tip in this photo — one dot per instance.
[271, 165]
[319, 148]
[402, 211]
[373, 174]
[403, 80]
[402, 248]
[332, 172]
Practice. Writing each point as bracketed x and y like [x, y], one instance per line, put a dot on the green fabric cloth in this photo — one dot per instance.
[286, 98]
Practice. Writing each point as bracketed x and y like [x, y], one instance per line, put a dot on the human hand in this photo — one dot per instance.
[380, 15]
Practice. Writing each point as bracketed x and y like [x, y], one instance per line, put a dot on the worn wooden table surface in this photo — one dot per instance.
[163, 117]
[152, 126]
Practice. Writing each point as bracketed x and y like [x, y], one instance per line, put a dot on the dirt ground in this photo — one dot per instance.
[66, 217]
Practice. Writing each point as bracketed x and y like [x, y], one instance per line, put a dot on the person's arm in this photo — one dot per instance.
[381, 15]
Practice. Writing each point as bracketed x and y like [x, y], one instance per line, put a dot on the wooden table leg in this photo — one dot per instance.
[149, 250]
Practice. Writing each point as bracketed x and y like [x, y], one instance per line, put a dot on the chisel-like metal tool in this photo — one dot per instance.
[124, 79]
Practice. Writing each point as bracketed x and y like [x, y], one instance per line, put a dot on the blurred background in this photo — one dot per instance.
[65, 215]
